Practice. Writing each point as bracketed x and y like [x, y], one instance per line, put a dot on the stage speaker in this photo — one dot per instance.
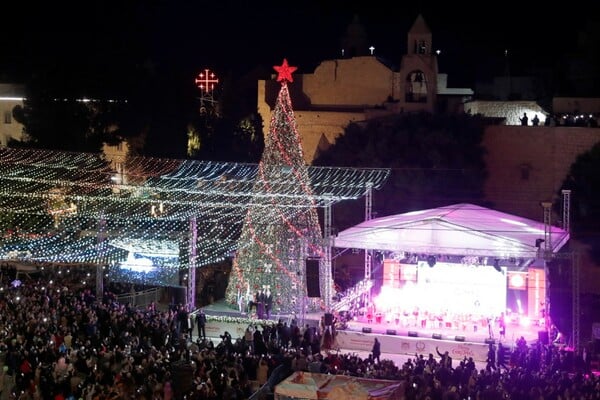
[490, 341]
[413, 334]
[390, 332]
[328, 319]
[366, 329]
[313, 288]
[178, 295]
[431, 261]
[459, 338]
[543, 337]
[436, 336]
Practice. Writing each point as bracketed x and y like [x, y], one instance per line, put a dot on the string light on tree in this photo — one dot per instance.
[274, 245]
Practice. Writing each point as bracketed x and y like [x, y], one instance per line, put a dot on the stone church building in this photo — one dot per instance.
[526, 164]
[362, 87]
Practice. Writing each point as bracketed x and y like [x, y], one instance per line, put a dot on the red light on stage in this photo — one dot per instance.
[391, 273]
[207, 80]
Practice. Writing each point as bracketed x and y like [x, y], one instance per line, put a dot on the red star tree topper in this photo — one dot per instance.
[285, 72]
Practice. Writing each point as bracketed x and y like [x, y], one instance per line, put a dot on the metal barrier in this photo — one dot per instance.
[140, 299]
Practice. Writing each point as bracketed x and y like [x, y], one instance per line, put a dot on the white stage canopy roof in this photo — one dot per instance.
[459, 229]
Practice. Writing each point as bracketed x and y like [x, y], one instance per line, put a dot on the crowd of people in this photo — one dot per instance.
[568, 119]
[58, 341]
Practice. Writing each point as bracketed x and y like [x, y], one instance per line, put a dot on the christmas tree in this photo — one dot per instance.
[281, 230]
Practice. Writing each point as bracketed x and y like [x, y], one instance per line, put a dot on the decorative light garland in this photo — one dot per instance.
[66, 207]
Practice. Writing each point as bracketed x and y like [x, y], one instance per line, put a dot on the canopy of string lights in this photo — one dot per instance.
[64, 207]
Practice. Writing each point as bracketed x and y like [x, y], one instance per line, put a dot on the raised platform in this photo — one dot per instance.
[220, 320]
[474, 333]
[407, 345]
[222, 309]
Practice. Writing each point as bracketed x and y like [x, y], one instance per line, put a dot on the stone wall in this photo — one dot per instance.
[527, 165]
[316, 128]
[9, 127]
[568, 105]
[359, 81]
[319, 130]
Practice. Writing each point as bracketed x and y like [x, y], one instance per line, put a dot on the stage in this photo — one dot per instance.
[471, 331]
[405, 337]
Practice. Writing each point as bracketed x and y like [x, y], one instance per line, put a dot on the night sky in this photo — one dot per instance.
[178, 38]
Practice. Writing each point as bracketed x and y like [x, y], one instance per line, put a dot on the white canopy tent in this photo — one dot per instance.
[459, 229]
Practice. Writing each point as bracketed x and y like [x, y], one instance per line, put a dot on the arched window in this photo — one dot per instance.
[416, 87]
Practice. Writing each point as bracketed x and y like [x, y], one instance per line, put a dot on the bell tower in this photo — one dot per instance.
[418, 70]
[419, 38]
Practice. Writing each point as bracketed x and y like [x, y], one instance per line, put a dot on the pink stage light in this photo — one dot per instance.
[524, 321]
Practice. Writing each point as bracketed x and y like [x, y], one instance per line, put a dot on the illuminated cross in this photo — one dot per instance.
[206, 80]
[372, 49]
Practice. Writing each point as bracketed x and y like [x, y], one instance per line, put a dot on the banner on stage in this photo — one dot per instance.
[352, 340]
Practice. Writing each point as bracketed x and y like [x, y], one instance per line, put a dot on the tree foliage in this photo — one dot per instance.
[57, 116]
[435, 160]
[584, 182]
[230, 129]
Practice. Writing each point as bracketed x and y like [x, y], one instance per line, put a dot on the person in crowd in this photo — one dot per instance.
[491, 357]
[118, 351]
[182, 321]
[445, 358]
[376, 350]
[524, 119]
[502, 354]
[327, 341]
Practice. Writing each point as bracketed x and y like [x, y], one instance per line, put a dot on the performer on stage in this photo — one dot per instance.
[260, 304]
[490, 328]
[268, 303]
[502, 323]
[241, 302]
[370, 313]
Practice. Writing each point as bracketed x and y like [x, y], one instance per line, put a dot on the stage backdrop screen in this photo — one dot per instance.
[149, 270]
[445, 289]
